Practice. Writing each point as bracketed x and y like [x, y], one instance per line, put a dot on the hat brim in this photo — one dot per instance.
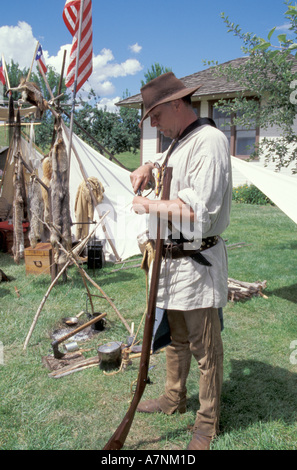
[176, 96]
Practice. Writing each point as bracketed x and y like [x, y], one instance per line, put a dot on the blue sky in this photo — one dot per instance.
[129, 36]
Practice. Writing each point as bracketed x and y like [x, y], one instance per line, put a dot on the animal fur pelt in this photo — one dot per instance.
[18, 211]
[60, 199]
[84, 207]
[31, 94]
[36, 211]
[20, 198]
[10, 117]
[46, 179]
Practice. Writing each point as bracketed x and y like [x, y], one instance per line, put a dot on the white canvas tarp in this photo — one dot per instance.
[122, 224]
[281, 189]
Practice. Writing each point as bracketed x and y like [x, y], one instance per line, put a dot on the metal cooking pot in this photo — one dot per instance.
[98, 325]
[110, 355]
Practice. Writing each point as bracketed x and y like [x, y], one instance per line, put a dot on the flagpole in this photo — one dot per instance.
[5, 71]
[75, 80]
[29, 73]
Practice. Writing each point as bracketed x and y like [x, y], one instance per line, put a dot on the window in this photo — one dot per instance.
[245, 139]
[222, 122]
[242, 140]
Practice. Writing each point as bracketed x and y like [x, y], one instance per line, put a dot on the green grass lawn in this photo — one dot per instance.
[130, 160]
[81, 411]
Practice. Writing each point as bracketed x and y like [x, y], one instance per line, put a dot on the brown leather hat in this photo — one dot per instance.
[163, 89]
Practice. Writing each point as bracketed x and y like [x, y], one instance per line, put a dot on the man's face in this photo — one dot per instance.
[164, 118]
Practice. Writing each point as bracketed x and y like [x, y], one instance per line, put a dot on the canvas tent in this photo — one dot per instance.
[122, 224]
[281, 189]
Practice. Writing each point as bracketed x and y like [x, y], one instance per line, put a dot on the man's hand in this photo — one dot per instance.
[140, 205]
[141, 177]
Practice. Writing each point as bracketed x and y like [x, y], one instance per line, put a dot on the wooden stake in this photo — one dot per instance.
[34, 57]
[5, 71]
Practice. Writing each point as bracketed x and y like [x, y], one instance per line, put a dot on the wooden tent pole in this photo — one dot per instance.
[29, 73]
[62, 75]
[5, 71]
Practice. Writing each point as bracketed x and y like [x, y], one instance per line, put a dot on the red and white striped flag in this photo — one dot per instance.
[40, 59]
[71, 16]
[2, 76]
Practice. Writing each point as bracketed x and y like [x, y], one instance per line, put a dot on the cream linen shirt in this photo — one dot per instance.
[202, 179]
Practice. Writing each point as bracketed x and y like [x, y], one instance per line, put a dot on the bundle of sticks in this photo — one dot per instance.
[238, 290]
[83, 364]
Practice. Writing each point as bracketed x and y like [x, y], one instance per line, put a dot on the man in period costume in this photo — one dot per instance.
[193, 284]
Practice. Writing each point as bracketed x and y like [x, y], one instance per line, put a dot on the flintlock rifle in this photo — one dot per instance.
[117, 441]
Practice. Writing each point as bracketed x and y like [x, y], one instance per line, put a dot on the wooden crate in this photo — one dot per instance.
[39, 260]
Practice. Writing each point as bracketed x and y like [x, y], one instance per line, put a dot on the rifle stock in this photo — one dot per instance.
[117, 441]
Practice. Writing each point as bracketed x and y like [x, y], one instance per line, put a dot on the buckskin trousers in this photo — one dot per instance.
[198, 333]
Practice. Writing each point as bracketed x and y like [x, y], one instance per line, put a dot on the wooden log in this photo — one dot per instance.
[238, 290]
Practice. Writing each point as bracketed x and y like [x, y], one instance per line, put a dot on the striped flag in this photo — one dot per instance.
[71, 16]
[2, 76]
[40, 59]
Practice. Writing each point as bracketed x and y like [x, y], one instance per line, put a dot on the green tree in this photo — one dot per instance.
[117, 132]
[43, 132]
[155, 70]
[268, 73]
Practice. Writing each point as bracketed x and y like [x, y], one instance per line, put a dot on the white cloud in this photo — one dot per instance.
[136, 48]
[283, 27]
[18, 43]
[109, 104]
[57, 60]
[105, 67]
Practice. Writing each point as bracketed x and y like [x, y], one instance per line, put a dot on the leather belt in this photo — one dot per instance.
[176, 250]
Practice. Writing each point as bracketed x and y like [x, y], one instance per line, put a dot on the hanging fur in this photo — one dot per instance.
[18, 211]
[36, 211]
[10, 117]
[46, 179]
[60, 199]
[31, 94]
[20, 199]
[84, 207]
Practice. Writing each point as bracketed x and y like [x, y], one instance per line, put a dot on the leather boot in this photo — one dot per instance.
[199, 442]
[149, 406]
[153, 406]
